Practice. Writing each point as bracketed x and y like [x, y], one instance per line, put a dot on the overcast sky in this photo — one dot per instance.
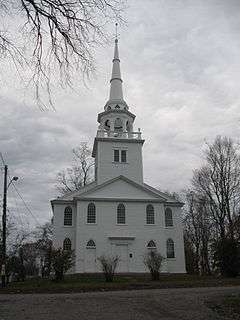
[180, 63]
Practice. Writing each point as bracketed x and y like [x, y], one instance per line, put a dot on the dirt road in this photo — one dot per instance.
[164, 304]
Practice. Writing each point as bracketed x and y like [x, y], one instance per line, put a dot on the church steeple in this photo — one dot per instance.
[116, 92]
[117, 147]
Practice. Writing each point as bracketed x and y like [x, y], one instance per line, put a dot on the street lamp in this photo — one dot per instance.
[13, 179]
[4, 220]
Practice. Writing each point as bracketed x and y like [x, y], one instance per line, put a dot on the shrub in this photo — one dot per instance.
[227, 257]
[62, 261]
[153, 261]
[109, 265]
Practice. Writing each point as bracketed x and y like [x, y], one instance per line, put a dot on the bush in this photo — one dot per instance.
[227, 257]
[62, 261]
[16, 268]
[109, 265]
[153, 261]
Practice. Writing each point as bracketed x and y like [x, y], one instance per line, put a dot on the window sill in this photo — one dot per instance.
[171, 259]
[91, 224]
[119, 162]
[67, 226]
[150, 224]
[121, 224]
[172, 227]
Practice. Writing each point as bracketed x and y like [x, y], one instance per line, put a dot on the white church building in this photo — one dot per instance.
[119, 214]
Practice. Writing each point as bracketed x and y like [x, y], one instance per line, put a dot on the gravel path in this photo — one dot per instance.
[164, 304]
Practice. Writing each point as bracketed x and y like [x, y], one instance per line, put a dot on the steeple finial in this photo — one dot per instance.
[116, 34]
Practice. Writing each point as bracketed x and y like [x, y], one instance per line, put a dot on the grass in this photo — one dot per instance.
[82, 283]
[228, 307]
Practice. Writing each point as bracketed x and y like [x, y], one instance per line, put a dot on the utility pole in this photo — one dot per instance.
[4, 222]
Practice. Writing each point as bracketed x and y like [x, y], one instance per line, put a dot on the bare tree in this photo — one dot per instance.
[218, 181]
[153, 261]
[43, 236]
[198, 231]
[109, 265]
[79, 174]
[47, 37]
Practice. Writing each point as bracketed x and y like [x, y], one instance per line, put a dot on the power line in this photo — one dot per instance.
[20, 196]
[1, 156]
[25, 204]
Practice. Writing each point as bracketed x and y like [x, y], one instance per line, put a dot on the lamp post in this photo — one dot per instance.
[4, 222]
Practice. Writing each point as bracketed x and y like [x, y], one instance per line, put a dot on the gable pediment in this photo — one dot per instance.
[121, 188]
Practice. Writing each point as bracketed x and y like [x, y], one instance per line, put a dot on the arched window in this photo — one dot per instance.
[91, 213]
[121, 216]
[128, 126]
[151, 245]
[67, 245]
[107, 125]
[68, 216]
[150, 219]
[168, 217]
[91, 244]
[170, 249]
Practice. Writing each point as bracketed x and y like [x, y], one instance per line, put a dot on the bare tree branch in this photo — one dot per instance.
[59, 38]
[79, 174]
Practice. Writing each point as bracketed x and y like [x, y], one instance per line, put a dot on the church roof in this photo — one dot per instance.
[93, 192]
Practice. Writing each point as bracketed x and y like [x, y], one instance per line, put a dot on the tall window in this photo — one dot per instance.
[116, 157]
[150, 219]
[68, 216]
[151, 245]
[121, 217]
[170, 249]
[67, 245]
[123, 155]
[91, 213]
[168, 218]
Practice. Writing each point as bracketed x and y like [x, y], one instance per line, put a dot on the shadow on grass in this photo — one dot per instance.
[96, 282]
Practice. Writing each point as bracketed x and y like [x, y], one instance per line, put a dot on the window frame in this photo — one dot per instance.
[67, 242]
[170, 246]
[148, 213]
[168, 219]
[122, 207]
[116, 159]
[68, 217]
[91, 241]
[122, 152]
[150, 247]
[89, 213]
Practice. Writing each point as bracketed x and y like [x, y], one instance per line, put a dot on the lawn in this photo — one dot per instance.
[82, 283]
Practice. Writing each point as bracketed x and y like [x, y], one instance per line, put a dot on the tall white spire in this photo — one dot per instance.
[116, 92]
[116, 100]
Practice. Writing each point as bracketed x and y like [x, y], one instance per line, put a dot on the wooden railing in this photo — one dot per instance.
[119, 134]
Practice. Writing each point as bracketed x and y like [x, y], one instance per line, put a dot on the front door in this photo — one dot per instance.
[122, 253]
[90, 261]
